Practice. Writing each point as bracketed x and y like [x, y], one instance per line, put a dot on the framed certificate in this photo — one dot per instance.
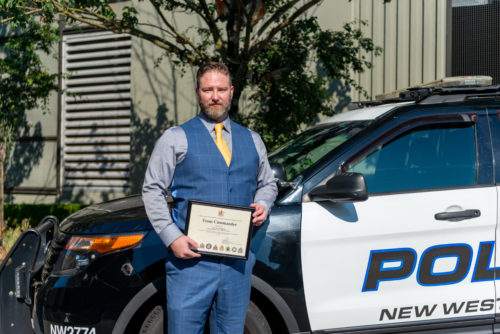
[220, 230]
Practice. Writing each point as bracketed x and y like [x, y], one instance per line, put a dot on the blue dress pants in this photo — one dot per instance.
[197, 287]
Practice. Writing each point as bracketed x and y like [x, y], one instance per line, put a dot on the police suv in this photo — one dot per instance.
[386, 222]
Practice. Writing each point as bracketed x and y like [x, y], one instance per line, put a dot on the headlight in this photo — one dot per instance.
[105, 244]
[82, 250]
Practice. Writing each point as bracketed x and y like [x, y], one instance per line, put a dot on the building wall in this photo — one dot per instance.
[32, 169]
[162, 94]
[476, 39]
[412, 33]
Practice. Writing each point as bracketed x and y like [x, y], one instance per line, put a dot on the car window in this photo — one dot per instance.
[495, 131]
[311, 145]
[428, 157]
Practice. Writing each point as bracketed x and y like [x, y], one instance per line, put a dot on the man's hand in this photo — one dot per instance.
[182, 248]
[259, 215]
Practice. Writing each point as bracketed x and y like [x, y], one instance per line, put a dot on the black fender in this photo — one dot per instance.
[151, 289]
[159, 285]
[278, 302]
[17, 275]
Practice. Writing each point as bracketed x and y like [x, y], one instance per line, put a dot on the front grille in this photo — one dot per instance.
[55, 249]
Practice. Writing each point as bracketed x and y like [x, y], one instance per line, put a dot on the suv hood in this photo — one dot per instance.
[121, 215]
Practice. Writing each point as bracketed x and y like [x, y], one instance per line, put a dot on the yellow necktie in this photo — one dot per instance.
[221, 143]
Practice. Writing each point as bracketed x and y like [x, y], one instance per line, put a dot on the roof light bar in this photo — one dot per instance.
[461, 81]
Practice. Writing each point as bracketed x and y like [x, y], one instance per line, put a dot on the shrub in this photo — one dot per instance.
[15, 214]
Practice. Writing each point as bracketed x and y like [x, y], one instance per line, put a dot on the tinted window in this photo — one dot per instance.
[311, 145]
[431, 157]
[495, 132]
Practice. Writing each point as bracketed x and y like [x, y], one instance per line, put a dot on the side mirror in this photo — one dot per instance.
[278, 171]
[347, 187]
[280, 176]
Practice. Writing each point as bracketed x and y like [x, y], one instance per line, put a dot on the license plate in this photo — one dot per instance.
[68, 329]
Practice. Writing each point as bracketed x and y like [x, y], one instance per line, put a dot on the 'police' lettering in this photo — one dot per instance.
[426, 273]
[483, 272]
[379, 269]
[398, 264]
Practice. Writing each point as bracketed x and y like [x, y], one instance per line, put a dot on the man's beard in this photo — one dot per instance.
[216, 112]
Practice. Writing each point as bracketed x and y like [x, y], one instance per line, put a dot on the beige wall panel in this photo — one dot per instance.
[355, 14]
[33, 164]
[160, 88]
[414, 45]
[429, 46]
[89, 196]
[390, 47]
[403, 44]
[364, 12]
[441, 38]
[377, 25]
[162, 96]
[334, 14]
[413, 35]
[48, 118]
[43, 122]
[32, 199]
[416, 41]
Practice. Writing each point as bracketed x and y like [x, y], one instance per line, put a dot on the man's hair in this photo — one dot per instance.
[212, 66]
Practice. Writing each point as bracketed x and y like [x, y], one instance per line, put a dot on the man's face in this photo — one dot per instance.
[214, 95]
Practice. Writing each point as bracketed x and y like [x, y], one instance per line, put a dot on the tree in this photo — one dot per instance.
[283, 57]
[24, 85]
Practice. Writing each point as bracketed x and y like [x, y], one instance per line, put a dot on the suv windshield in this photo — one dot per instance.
[311, 145]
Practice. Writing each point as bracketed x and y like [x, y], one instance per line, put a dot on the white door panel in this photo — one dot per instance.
[497, 253]
[337, 240]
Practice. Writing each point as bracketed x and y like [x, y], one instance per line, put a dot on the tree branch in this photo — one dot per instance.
[154, 26]
[256, 47]
[70, 10]
[275, 17]
[28, 13]
[233, 28]
[179, 36]
[249, 27]
[207, 17]
[166, 45]
[116, 27]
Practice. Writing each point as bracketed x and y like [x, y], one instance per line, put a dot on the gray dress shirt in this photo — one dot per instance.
[169, 151]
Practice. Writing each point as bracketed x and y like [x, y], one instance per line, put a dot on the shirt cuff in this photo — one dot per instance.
[265, 204]
[169, 234]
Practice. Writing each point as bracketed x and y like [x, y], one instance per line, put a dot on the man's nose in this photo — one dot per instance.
[215, 95]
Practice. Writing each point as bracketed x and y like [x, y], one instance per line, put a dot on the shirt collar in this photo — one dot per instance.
[209, 123]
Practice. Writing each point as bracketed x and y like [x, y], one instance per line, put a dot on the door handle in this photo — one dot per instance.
[466, 214]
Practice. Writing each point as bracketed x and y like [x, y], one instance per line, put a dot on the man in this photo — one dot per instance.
[208, 158]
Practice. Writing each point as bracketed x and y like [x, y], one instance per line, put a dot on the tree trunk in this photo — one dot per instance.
[239, 77]
[3, 153]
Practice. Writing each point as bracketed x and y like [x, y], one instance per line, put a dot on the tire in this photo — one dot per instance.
[153, 323]
[256, 322]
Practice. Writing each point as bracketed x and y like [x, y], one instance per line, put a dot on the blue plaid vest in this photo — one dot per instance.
[204, 175]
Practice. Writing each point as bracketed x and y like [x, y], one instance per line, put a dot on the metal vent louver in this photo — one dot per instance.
[96, 111]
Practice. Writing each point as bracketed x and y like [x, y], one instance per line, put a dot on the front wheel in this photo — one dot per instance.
[256, 322]
[153, 323]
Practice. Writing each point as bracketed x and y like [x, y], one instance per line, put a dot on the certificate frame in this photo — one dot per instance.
[214, 226]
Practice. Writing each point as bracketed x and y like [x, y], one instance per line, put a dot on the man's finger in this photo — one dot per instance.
[257, 212]
[190, 254]
[192, 243]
